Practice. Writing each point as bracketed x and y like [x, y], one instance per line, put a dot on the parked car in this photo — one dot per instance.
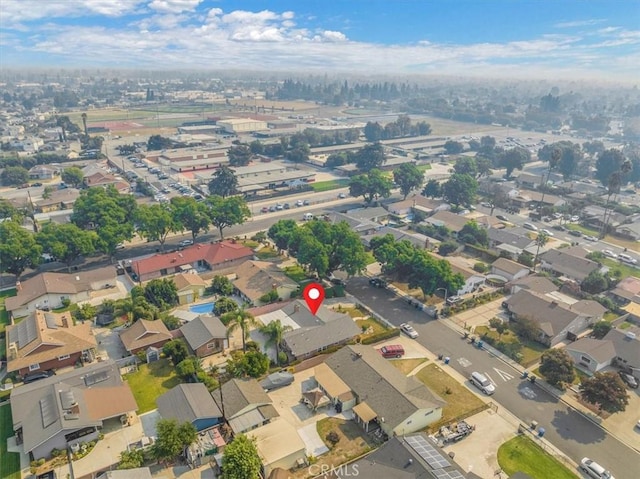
[342, 196]
[264, 209]
[595, 470]
[530, 226]
[37, 183]
[272, 208]
[629, 380]
[279, 207]
[392, 351]
[546, 231]
[559, 228]
[454, 300]
[502, 217]
[590, 238]
[482, 382]
[185, 242]
[286, 206]
[306, 202]
[378, 282]
[625, 258]
[120, 246]
[276, 380]
[574, 218]
[29, 378]
[575, 233]
[299, 203]
[408, 330]
[609, 253]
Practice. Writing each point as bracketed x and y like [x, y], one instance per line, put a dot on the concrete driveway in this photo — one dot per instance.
[109, 344]
[480, 315]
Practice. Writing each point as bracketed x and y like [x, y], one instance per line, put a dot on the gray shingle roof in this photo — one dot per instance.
[376, 382]
[187, 403]
[566, 263]
[202, 330]
[237, 394]
[308, 340]
[599, 349]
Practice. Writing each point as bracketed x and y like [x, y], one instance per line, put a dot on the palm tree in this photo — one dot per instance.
[274, 331]
[84, 123]
[541, 240]
[556, 154]
[613, 188]
[241, 319]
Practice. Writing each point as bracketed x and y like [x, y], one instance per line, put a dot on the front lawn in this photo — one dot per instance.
[10, 463]
[329, 185]
[521, 454]
[405, 366]
[151, 381]
[583, 229]
[267, 252]
[370, 326]
[625, 269]
[296, 273]
[4, 316]
[531, 351]
[425, 167]
[461, 402]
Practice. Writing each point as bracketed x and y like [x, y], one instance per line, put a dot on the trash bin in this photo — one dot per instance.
[447, 359]
[525, 374]
[541, 431]
[480, 343]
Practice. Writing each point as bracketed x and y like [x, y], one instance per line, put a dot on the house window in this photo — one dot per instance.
[34, 367]
[63, 357]
[585, 359]
[213, 345]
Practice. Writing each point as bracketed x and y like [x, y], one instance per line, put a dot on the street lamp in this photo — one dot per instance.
[445, 293]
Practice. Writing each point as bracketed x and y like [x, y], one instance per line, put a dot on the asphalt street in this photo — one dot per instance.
[566, 428]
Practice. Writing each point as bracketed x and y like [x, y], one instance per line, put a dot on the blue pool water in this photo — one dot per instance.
[202, 308]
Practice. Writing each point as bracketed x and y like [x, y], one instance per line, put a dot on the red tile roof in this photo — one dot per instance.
[214, 254]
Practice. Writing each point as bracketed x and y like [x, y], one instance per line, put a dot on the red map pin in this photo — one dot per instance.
[314, 296]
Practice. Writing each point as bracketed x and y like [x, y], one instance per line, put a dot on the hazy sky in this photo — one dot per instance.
[520, 38]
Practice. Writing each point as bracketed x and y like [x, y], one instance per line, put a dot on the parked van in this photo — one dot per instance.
[482, 382]
[307, 216]
[625, 258]
[392, 351]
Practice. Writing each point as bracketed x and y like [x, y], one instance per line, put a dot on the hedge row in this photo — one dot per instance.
[376, 338]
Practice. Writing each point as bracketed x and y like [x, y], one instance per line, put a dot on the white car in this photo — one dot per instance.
[590, 238]
[546, 232]
[530, 226]
[574, 219]
[185, 242]
[595, 470]
[609, 253]
[408, 330]
[625, 258]
[299, 203]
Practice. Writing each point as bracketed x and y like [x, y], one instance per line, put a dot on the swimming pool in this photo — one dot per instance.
[202, 308]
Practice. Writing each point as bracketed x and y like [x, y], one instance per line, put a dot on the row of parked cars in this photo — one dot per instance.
[283, 206]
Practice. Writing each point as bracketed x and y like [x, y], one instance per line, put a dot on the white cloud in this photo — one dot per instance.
[174, 6]
[18, 11]
[579, 23]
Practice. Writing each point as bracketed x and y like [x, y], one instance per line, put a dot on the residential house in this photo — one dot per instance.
[190, 287]
[569, 263]
[310, 334]
[190, 403]
[472, 279]
[383, 399]
[450, 220]
[59, 200]
[143, 334]
[44, 172]
[416, 239]
[48, 290]
[403, 457]
[46, 341]
[620, 348]
[205, 335]
[537, 284]
[509, 270]
[211, 257]
[360, 226]
[105, 179]
[404, 208]
[630, 230]
[593, 216]
[68, 409]
[528, 180]
[557, 316]
[375, 214]
[279, 446]
[498, 238]
[254, 279]
[244, 404]
[627, 290]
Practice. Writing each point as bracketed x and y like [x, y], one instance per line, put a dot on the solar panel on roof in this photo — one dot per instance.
[442, 474]
[427, 452]
[27, 332]
[50, 319]
[48, 410]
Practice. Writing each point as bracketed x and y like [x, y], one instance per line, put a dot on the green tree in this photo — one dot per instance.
[311, 253]
[8, 211]
[595, 283]
[190, 214]
[66, 242]
[601, 329]
[373, 131]
[177, 350]
[155, 222]
[608, 162]
[239, 155]
[452, 147]
[86, 312]
[274, 332]
[370, 186]
[252, 364]
[47, 192]
[223, 182]
[606, 390]
[460, 189]
[256, 147]
[225, 212]
[408, 177]
[14, 175]
[282, 232]
[429, 274]
[224, 305]
[541, 240]
[161, 293]
[172, 438]
[514, 159]
[341, 244]
[240, 459]
[557, 367]
[221, 285]
[447, 247]
[496, 196]
[18, 248]
[432, 189]
[131, 459]
[483, 167]
[72, 176]
[563, 155]
[370, 157]
[242, 320]
[466, 166]
[157, 142]
[108, 213]
[472, 233]
[299, 154]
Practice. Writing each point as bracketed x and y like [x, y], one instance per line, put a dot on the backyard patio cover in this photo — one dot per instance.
[364, 412]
